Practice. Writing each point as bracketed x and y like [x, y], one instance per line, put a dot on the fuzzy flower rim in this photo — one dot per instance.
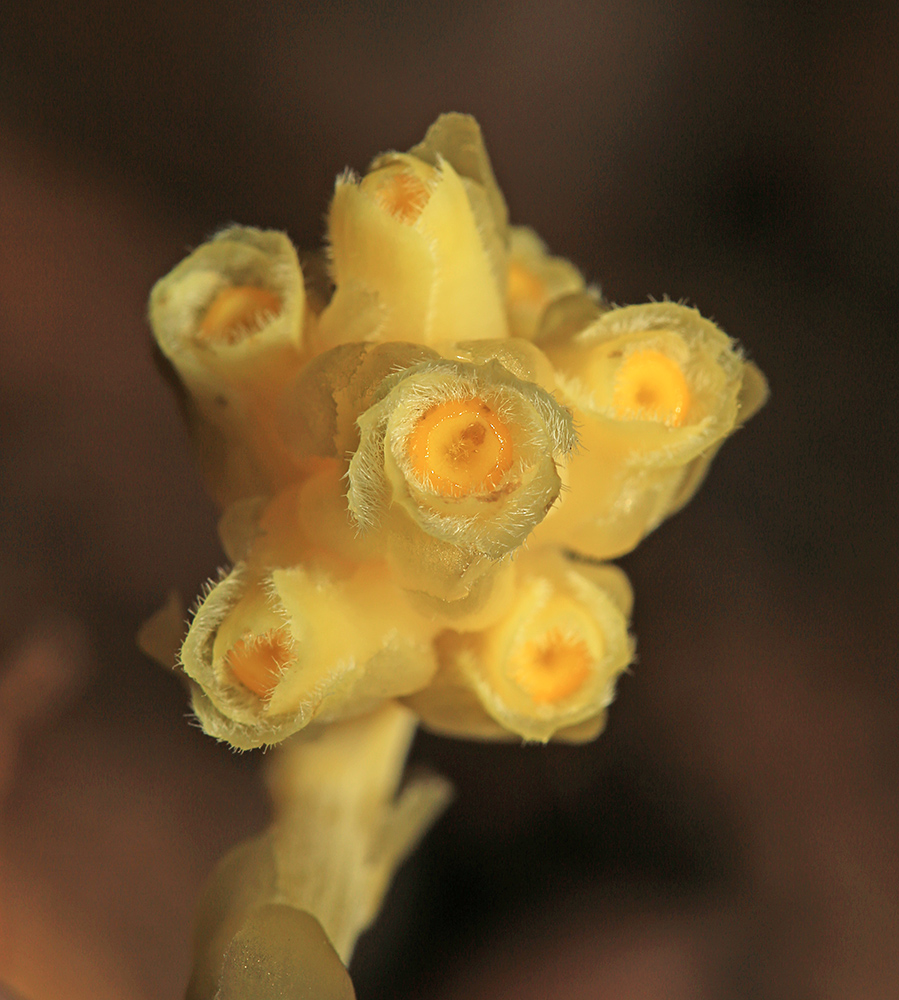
[440, 415]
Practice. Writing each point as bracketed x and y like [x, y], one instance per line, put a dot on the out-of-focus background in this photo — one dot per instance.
[735, 832]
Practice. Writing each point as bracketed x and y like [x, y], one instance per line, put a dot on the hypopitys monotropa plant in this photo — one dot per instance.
[421, 464]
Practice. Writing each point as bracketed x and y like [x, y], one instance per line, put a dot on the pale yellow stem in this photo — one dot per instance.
[340, 829]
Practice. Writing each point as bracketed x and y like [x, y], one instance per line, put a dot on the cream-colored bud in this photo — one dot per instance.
[655, 390]
[548, 667]
[269, 654]
[230, 319]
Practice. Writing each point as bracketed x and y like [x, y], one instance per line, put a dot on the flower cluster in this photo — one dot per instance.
[424, 444]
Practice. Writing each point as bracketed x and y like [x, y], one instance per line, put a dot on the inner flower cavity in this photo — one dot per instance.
[238, 311]
[258, 661]
[398, 191]
[551, 667]
[651, 386]
[460, 447]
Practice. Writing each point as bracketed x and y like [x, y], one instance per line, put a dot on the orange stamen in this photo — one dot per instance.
[399, 192]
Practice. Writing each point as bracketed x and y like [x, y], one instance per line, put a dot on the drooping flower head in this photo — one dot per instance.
[410, 448]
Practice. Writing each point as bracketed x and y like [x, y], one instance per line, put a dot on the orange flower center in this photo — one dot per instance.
[551, 668]
[651, 386]
[460, 447]
[238, 312]
[399, 192]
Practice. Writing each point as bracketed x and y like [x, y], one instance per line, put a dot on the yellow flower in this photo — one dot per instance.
[270, 652]
[408, 258]
[230, 319]
[318, 410]
[455, 465]
[655, 390]
[547, 668]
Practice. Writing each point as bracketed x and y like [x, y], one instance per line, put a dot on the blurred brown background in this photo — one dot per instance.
[735, 831]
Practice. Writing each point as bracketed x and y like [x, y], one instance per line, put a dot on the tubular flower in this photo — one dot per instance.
[456, 465]
[270, 654]
[230, 319]
[655, 390]
[408, 259]
[547, 667]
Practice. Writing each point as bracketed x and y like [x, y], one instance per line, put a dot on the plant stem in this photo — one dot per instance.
[340, 831]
